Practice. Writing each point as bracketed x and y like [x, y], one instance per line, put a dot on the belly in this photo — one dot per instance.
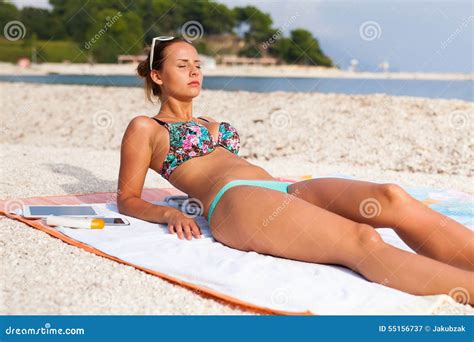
[201, 178]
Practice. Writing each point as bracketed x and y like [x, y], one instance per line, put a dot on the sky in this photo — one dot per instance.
[424, 36]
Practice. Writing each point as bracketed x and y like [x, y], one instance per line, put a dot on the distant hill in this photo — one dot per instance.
[99, 31]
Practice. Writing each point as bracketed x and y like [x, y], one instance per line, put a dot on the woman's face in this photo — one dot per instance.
[180, 76]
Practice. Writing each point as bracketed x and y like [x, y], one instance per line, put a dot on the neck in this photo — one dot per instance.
[179, 110]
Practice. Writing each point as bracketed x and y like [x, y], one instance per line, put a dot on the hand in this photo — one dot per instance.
[183, 225]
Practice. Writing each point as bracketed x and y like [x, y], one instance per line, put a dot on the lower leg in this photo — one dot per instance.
[434, 235]
[413, 273]
[389, 205]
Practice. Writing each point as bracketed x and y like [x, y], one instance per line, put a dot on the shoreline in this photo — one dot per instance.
[242, 71]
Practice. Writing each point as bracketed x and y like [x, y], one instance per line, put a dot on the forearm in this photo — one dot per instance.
[143, 210]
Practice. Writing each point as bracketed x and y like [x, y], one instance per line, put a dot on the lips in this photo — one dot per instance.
[194, 83]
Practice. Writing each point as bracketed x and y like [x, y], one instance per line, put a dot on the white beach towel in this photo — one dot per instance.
[263, 280]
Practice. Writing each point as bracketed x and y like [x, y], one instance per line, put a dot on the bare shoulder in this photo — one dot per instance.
[143, 127]
[144, 124]
[141, 122]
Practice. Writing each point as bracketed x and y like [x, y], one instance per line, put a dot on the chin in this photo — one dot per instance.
[194, 93]
[188, 96]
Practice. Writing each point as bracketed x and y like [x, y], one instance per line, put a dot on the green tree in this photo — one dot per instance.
[159, 17]
[42, 22]
[77, 17]
[89, 24]
[303, 48]
[74, 18]
[114, 33]
[167, 17]
[258, 23]
[256, 27]
[8, 12]
[280, 48]
[215, 18]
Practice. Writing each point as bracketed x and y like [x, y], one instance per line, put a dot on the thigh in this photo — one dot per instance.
[267, 221]
[357, 200]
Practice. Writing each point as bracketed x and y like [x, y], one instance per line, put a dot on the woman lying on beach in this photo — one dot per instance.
[322, 220]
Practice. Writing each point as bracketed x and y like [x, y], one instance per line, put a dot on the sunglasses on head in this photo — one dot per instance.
[161, 39]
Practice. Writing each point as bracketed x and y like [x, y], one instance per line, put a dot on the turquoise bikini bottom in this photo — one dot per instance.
[270, 184]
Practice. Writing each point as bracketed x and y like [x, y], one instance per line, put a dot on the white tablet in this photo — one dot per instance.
[39, 211]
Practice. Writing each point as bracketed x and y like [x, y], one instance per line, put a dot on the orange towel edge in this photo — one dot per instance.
[196, 288]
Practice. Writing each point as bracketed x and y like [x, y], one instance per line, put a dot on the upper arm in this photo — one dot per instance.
[135, 157]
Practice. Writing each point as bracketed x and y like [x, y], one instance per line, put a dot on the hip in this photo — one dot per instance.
[273, 184]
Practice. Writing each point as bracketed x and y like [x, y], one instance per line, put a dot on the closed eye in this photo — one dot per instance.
[184, 66]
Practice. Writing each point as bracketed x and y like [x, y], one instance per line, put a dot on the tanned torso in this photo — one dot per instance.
[202, 177]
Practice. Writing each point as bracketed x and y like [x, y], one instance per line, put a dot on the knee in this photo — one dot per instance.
[367, 236]
[365, 241]
[394, 193]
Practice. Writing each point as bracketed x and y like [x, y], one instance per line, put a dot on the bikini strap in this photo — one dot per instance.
[200, 117]
[160, 122]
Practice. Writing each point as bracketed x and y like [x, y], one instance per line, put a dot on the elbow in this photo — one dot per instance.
[121, 206]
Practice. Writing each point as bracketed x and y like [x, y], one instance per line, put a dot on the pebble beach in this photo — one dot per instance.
[65, 139]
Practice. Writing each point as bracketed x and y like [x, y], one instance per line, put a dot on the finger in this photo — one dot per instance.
[179, 230]
[171, 229]
[187, 231]
[193, 230]
[196, 230]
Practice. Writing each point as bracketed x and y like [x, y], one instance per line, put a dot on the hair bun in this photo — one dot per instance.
[143, 68]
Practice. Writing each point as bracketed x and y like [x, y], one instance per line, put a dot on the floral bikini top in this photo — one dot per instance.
[188, 139]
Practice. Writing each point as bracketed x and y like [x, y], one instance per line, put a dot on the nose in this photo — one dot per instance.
[194, 70]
